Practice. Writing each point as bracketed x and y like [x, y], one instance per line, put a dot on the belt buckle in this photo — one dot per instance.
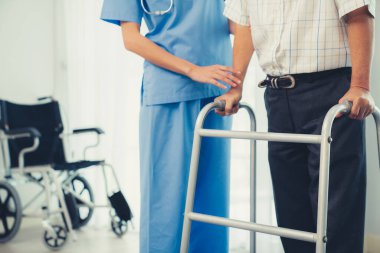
[261, 84]
[291, 78]
[274, 82]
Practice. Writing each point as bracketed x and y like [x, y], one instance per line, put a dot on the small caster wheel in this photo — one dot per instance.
[57, 241]
[119, 227]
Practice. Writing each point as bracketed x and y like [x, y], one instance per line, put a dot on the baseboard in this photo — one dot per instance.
[372, 243]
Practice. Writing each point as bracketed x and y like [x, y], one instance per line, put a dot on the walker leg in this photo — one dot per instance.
[253, 181]
[323, 194]
[253, 194]
[191, 192]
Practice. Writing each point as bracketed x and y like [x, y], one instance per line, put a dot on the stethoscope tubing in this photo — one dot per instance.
[157, 13]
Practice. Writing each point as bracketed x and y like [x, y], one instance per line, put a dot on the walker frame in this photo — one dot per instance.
[324, 139]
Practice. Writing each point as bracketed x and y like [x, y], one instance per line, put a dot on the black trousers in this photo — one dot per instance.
[295, 167]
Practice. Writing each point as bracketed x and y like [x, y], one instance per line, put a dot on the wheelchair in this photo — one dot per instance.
[32, 150]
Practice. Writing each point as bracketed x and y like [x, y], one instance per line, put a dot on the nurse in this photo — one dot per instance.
[188, 54]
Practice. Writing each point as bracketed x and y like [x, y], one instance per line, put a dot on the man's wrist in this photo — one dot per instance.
[238, 88]
[360, 87]
[362, 84]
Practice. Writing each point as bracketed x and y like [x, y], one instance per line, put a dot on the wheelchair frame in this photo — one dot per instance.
[60, 181]
[118, 227]
[49, 178]
[324, 139]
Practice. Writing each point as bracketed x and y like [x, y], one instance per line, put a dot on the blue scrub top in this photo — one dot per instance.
[194, 30]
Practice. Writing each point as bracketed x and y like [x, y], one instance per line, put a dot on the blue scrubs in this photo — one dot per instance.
[194, 30]
[197, 31]
[166, 138]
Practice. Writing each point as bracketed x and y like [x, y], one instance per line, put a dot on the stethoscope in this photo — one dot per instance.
[157, 13]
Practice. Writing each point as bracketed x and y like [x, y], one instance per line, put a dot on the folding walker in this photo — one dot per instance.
[324, 139]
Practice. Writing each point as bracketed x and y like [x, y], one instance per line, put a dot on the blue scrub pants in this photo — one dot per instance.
[166, 138]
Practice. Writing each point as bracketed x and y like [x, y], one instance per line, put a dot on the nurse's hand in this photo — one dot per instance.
[214, 75]
[232, 99]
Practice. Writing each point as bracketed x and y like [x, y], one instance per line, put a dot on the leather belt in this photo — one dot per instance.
[278, 82]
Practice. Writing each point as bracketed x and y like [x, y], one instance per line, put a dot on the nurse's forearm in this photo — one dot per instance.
[243, 49]
[153, 53]
[142, 46]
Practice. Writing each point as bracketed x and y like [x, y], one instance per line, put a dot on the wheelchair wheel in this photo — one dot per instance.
[10, 212]
[58, 241]
[119, 227]
[82, 187]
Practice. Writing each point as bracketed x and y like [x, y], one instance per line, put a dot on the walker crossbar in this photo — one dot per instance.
[284, 232]
[325, 140]
[278, 137]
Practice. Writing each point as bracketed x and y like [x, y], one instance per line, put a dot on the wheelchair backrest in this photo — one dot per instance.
[46, 118]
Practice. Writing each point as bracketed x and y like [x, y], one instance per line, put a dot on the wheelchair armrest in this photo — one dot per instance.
[96, 130]
[28, 132]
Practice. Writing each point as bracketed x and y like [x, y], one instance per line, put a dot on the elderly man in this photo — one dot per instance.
[315, 54]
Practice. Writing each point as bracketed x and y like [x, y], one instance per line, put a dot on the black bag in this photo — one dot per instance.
[120, 204]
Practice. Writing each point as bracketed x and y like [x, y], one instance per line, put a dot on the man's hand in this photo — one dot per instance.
[363, 103]
[232, 99]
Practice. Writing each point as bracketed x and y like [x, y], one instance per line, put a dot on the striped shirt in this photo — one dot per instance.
[297, 36]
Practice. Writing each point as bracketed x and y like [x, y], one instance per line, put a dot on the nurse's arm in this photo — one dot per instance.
[242, 54]
[153, 53]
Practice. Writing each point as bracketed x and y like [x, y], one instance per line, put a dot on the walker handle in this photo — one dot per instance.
[376, 116]
[221, 104]
[348, 105]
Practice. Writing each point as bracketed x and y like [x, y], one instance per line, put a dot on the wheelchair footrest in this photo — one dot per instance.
[120, 204]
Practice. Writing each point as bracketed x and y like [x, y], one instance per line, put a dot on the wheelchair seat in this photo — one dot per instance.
[46, 119]
[77, 165]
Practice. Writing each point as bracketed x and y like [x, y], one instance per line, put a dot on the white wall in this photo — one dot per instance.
[27, 57]
[373, 198]
[26, 49]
